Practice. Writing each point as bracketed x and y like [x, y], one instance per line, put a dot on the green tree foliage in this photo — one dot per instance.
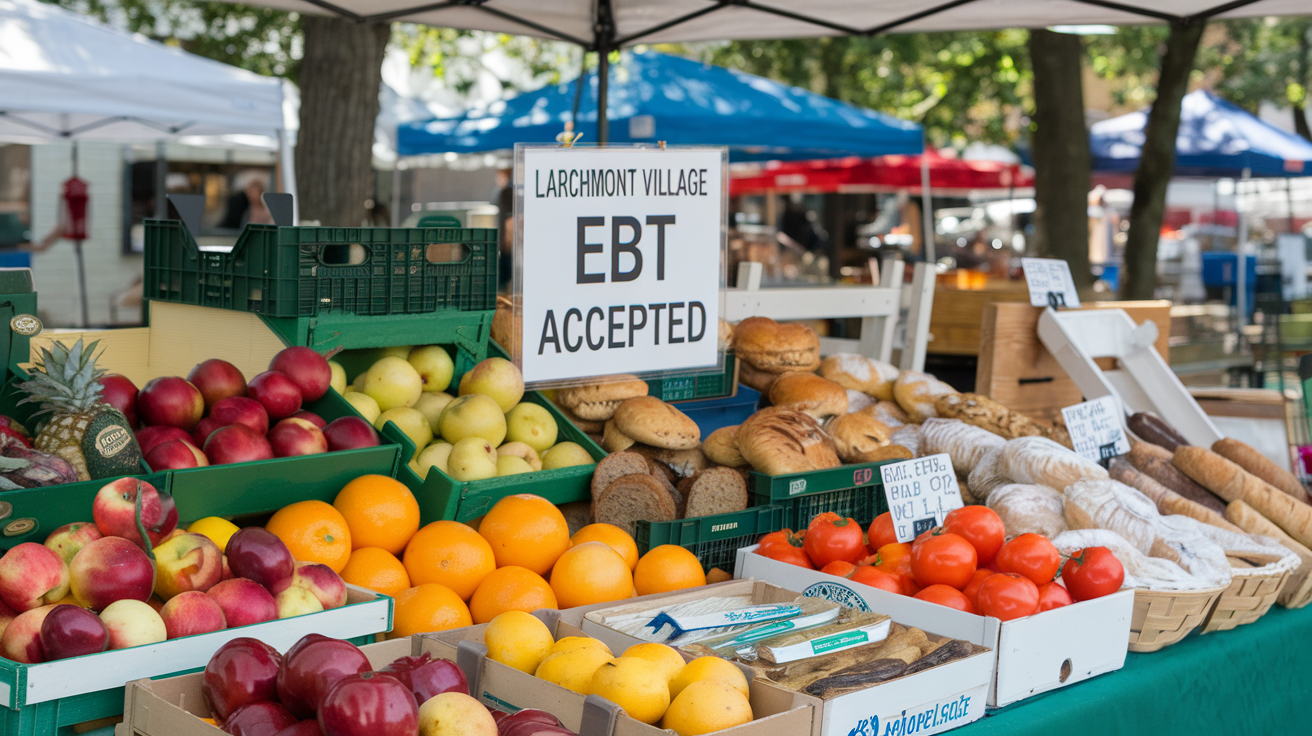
[461, 57]
[1264, 60]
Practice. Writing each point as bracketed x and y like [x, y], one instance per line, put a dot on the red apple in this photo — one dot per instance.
[176, 455]
[72, 631]
[427, 677]
[69, 538]
[190, 613]
[309, 727]
[323, 582]
[133, 624]
[217, 379]
[241, 410]
[32, 575]
[204, 428]
[528, 715]
[7, 615]
[262, 718]
[369, 704]
[279, 394]
[242, 671]
[256, 554]
[111, 569]
[293, 436]
[115, 511]
[310, 417]
[349, 433]
[311, 666]
[170, 400]
[21, 641]
[227, 571]
[187, 562]
[307, 369]
[149, 437]
[120, 393]
[243, 602]
[236, 443]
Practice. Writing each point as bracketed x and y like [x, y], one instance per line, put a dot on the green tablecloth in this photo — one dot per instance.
[1256, 679]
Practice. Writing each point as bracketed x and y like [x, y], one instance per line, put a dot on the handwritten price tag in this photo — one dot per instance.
[1097, 429]
[920, 493]
[1050, 282]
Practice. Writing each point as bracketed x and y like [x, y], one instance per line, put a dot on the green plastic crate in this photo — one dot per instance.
[464, 334]
[304, 271]
[854, 491]
[714, 539]
[697, 384]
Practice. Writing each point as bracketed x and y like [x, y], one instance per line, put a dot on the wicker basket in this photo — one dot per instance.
[1161, 618]
[1297, 591]
[1256, 582]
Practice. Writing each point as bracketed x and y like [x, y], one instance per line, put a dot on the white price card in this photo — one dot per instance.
[920, 493]
[1049, 280]
[1097, 429]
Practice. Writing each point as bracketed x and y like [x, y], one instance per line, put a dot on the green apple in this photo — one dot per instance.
[433, 456]
[532, 425]
[338, 381]
[414, 424]
[523, 452]
[474, 415]
[431, 406]
[565, 455]
[511, 465]
[472, 458]
[393, 383]
[434, 366]
[497, 378]
[364, 404]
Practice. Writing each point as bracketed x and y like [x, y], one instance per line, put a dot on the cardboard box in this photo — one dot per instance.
[1031, 655]
[929, 702]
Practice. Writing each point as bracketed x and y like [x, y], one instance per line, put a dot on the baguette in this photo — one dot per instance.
[1155, 462]
[1233, 483]
[1260, 465]
[1298, 589]
[1167, 500]
[1151, 428]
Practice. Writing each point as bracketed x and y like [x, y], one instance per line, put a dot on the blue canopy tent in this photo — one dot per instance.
[656, 97]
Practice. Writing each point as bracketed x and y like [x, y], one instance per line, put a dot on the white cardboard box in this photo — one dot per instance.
[1032, 654]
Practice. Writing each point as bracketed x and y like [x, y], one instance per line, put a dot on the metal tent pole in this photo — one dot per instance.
[604, 30]
[1241, 266]
[926, 210]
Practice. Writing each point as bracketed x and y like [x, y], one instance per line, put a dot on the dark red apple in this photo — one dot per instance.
[368, 704]
[312, 666]
[236, 443]
[264, 718]
[533, 728]
[241, 410]
[292, 437]
[279, 394]
[245, 670]
[175, 455]
[170, 400]
[310, 417]
[528, 715]
[149, 437]
[72, 631]
[217, 379]
[308, 727]
[349, 433]
[427, 677]
[307, 369]
[204, 428]
[120, 393]
[256, 554]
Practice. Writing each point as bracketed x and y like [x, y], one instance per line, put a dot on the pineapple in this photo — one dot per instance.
[93, 437]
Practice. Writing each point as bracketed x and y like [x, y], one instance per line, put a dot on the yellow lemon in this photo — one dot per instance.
[707, 706]
[709, 668]
[572, 670]
[218, 530]
[634, 684]
[662, 657]
[518, 640]
[570, 643]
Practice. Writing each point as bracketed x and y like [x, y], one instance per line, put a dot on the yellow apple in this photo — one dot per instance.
[532, 425]
[434, 366]
[474, 415]
[364, 404]
[497, 378]
[393, 383]
[523, 452]
[472, 458]
[431, 406]
[338, 380]
[511, 465]
[565, 455]
[411, 422]
[433, 456]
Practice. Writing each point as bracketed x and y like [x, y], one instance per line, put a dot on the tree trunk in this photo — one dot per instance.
[1157, 161]
[1061, 152]
[340, 76]
[1304, 62]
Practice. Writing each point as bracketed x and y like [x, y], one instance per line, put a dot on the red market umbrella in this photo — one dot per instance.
[885, 173]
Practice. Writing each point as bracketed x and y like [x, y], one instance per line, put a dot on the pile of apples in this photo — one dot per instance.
[214, 416]
[96, 586]
[326, 687]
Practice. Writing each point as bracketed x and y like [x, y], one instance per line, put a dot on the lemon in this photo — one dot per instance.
[664, 658]
[709, 668]
[706, 706]
[517, 639]
[570, 643]
[218, 530]
[572, 670]
[634, 684]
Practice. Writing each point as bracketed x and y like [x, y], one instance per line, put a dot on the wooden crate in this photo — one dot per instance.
[954, 324]
[1017, 371]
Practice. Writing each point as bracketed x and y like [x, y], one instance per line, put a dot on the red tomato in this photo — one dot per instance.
[1007, 596]
[785, 549]
[902, 571]
[840, 568]
[783, 536]
[971, 591]
[945, 596]
[944, 558]
[979, 525]
[1052, 595]
[881, 532]
[830, 539]
[1092, 572]
[1031, 555]
[867, 575]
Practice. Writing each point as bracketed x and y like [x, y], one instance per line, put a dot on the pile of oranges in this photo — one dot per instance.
[447, 574]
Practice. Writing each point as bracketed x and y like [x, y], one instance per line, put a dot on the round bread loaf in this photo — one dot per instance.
[869, 376]
[755, 378]
[889, 413]
[858, 436]
[613, 466]
[633, 498]
[585, 425]
[917, 393]
[653, 422]
[598, 402]
[716, 491]
[721, 447]
[613, 440]
[779, 441]
[770, 346]
[807, 392]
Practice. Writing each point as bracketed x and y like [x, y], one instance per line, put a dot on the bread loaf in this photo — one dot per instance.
[771, 346]
[1249, 459]
[653, 422]
[666, 478]
[1149, 427]
[613, 466]
[857, 401]
[987, 414]
[506, 329]
[681, 463]
[755, 378]
[715, 491]
[1231, 482]
[908, 436]
[721, 447]
[867, 375]
[1028, 509]
[633, 498]
[779, 441]
[1167, 500]
[917, 393]
[807, 392]
[1108, 504]
[964, 443]
[857, 436]
[1041, 461]
[1155, 462]
[613, 439]
[598, 402]
[889, 413]
[585, 425]
[986, 476]
[1298, 590]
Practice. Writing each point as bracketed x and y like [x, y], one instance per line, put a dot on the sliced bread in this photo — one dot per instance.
[578, 514]
[665, 477]
[633, 498]
[716, 491]
[614, 466]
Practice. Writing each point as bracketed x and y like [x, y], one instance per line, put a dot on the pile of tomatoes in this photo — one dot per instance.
[966, 564]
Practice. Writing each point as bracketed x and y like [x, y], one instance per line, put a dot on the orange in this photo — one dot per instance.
[526, 530]
[510, 588]
[425, 608]
[449, 553]
[611, 536]
[380, 511]
[376, 569]
[313, 532]
[590, 573]
[666, 568]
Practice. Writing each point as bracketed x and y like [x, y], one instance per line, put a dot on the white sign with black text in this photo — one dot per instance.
[1050, 280]
[621, 253]
[920, 493]
[1096, 429]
